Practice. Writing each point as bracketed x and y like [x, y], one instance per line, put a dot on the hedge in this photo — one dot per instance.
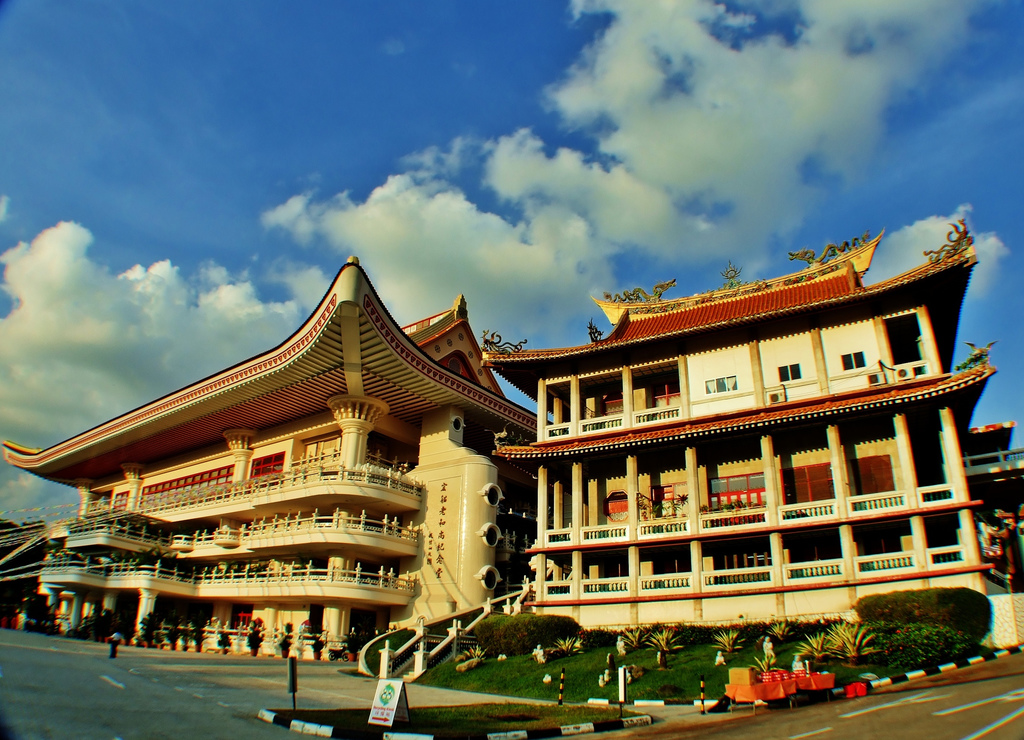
[521, 633]
[960, 609]
[919, 645]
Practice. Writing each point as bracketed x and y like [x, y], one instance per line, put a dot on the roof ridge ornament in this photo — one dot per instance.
[831, 250]
[491, 342]
[639, 295]
[960, 240]
[595, 333]
[978, 356]
[732, 276]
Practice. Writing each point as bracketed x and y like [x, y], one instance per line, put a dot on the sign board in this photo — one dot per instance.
[389, 703]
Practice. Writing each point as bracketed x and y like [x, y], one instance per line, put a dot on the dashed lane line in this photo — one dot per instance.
[996, 725]
[812, 733]
[1016, 695]
[112, 682]
[223, 704]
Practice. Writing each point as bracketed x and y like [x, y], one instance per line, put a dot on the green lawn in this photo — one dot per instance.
[460, 721]
[523, 677]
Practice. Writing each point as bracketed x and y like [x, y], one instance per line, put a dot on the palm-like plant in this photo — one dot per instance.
[728, 641]
[765, 664]
[568, 646]
[781, 631]
[851, 642]
[815, 647]
[473, 653]
[664, 641]
[634, 638]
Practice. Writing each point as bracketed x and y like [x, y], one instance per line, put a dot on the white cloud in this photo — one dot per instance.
[5, 204]
[393, 47]
[905, 248]
[81, 344]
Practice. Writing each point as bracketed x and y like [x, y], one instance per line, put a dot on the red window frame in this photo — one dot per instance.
[267, 465]
[745, 489]
[205, 479]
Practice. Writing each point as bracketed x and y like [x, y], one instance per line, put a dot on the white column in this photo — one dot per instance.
[931, 349]
[109, 601]
[558, 506]
[542, 506]
[696, 566]
[147, 600]
[356, 415]
[840, 479]
[771, 480]
[920, 539]
[692, 491]
[133, 474]
[756, 372]
[577, 501]
[85, 495]
[77, 604]
[52, 596]
[574, 406]
[238, 442]
[820, 367]
[956, 476]
[627, 396]
[849, 550]
[684, 387]
[775, 542]
[632, 490]
[542, 409]
[906, 455]
[577, 574]
[969, 537]
[633, 557]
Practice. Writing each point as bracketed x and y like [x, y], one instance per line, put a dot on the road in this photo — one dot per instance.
[982, 702]
[59, 688]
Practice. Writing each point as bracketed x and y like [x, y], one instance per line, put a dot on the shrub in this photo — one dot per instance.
[521, 633]
[909, 646]
[473, 653]
[634, 638]
[765, 664]
[565, 646]
[728, 641]
[598, 638]
[961, 609]
[851, 642]
[781, 631]
[815, 647]
[694, 634]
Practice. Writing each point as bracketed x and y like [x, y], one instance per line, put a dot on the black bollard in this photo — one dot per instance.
[702, 693]
[561, 687]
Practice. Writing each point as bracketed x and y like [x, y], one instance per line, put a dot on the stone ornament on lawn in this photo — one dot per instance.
[539, 656]
[620, 647]
[719, 659]
[547, 678]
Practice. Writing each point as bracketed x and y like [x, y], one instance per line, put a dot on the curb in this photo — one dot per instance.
[310, 728]
[944, 668]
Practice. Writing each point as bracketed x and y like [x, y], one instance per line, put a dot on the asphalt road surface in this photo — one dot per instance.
[982, 702]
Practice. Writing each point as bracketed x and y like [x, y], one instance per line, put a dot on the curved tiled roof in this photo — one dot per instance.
[784, 413]
[799, 293]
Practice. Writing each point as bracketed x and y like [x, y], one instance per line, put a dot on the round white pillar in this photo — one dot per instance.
[238, 442]
[356, 416]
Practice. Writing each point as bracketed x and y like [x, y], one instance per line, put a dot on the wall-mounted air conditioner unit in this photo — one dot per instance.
[910, 370]
[776, 395]
[876, 379]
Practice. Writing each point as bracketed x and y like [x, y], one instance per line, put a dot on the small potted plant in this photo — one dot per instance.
[223, 641]
[352, 646]
[255, 637]
[318, 646]
[172, 629]
[285, 641]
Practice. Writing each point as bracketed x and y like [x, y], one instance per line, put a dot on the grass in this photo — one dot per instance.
[459, 721]
[521, 676]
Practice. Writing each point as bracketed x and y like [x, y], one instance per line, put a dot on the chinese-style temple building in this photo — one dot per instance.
[763, 450]
[344, 479]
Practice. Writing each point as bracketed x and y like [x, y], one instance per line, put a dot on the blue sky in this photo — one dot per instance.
[179, 181]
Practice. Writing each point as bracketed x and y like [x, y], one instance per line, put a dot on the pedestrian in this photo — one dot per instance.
[115, 639]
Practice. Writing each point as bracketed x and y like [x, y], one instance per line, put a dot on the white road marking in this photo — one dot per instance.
[811, 733]
[223, 704]
[198, 696]
[112, 682]
[996, 725]
[921, 698]
[1017, 695]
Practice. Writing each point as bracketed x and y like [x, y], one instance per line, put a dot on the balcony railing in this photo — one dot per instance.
[663, 528]
[601, 424]
[132, 532]
[606, 586]
[803, 512]
[305, 472]
[242, 574]
[876, 563]
[935, 495]
[606, 533]
[652, 416]
[733, 519]
[558, 430]
[826, 570]
[871, 503]
[666, 582]
[739, 577]
[946, 555]
[560, 536]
